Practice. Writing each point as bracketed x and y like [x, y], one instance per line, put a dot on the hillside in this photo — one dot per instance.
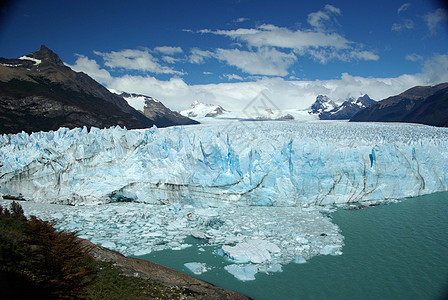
[39, 93]
[421, 104]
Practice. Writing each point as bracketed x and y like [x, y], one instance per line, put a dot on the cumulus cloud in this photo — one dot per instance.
[320, 41]
[176, 94]
[436, 69]
[324, 19]
[269, 35]
[433, 19]
[170, 59]
[198, 56]
[169, 50]
[232, 76]
[91, 67]
[264, 61]
[132, 59]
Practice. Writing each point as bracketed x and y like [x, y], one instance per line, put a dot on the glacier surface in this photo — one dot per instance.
[238, 163]
[259, 194]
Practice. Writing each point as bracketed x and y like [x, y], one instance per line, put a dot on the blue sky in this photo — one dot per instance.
[226, 52]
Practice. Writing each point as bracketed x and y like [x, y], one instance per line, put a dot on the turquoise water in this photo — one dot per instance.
[393, 251]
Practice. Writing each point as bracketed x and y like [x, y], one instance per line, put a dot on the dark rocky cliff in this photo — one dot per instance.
[38, 92]
[421, 104]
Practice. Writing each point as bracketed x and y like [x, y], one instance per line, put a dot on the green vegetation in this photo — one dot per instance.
[37, 260]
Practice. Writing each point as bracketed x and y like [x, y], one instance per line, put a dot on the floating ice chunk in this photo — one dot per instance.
[197, 268]
[254, 251]
[300, 260]
[301, 240]
[275, 268]
[242, 272]
[199, 235]
[142, 252]
[331, 250]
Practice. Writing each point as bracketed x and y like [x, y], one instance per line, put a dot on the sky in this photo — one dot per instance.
[227, 52]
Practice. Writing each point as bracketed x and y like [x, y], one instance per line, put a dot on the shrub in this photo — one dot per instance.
[50, 259]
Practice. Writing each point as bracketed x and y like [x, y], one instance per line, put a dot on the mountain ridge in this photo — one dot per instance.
[327, 109]
[38, 92]
[420, 104]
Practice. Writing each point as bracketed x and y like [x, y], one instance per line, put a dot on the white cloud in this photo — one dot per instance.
[198, 56]
[207, 73]
[405, 24]
[414, 57]
[436, 69]
[170, 59]
[169, 50]
[403, 7]
[264, 61]
[324, 19]
[232, 76]
[320, 41]
[240, 20]
[364, 55]
[176, 94]
[132, 59]
[433, 19]
[273, 36]
[325, 55]
[91, 67]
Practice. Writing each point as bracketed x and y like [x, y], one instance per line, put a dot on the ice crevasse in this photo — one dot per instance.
[240, 163]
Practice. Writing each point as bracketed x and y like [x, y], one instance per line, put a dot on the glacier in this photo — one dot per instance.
[260, 194]
[238, 163]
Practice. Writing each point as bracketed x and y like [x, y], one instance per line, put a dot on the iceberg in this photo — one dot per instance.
[263, 163]
[242, 272]
[196, 268]
[252, 251]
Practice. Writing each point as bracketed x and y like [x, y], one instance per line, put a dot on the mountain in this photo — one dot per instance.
[39, 93]
[327, 109]
[421, 104]
[322, 104]
[347, 109]
[199, 109]
[155, 110]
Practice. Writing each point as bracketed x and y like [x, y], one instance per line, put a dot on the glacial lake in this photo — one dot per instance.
[393, 251]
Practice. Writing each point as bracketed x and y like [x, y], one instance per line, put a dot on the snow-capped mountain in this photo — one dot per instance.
[322, 104]
[327, 109]
[199, 109]
[155, 110]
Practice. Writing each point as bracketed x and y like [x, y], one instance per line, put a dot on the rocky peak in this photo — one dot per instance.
[365, 100]
[46, 55]
[322, 103]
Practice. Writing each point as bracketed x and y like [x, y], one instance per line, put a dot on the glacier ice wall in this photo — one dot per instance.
[239, 163]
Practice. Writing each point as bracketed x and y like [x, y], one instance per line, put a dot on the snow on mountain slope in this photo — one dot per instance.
[198, 109]
[138, 101]
[238, 163]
